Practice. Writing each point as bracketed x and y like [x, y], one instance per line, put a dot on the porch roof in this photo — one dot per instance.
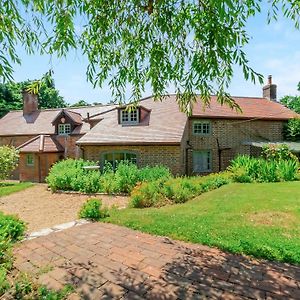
[41, 143]
[293, 146]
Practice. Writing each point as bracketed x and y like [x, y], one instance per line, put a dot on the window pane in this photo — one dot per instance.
[115, 157]
[131, 157]
[124, 116]
[201, 161]
[64, 129]
[201, 127]
[29, 160]
[129, 117]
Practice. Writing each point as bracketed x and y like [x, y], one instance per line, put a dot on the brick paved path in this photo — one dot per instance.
[104, 261]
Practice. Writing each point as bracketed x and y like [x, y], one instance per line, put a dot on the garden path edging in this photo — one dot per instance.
[55, 228]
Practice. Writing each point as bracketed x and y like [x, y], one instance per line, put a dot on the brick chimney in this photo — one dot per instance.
[270, 90]
[30, 102]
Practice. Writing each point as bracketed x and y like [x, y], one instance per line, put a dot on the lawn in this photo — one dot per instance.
[7, 188]
[262, 220]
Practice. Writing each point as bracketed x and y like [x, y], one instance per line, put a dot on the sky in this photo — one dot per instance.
[274, 49]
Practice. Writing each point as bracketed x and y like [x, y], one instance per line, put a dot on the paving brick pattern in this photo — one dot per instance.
[104, 261]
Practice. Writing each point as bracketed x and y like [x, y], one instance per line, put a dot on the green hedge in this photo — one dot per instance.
[69, 175]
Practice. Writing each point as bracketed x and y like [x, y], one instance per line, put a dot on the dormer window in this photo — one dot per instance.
[64, 129]
[129, 117]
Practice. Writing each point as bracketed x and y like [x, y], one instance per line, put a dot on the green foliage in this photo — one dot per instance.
[175, 190]
[9, 158]
[147, 194]
[80, 103]
[250, 169]
[278, 152]
[154, 173]
[11, 228]
[259, 219]
[11, 95]
[69, 175]
[9, 188]
[292, 102]
[291, 130]
[133, 42]
[92, 210]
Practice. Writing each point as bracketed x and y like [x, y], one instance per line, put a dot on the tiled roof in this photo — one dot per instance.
[40, 122]
[41, 143]
[165, 124]
[252, 108]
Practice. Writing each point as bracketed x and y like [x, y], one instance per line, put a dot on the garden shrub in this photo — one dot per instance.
[180, 190]
[275, 152]
[126, 177]
[69, 175]
[161, 173]
[287, 170]
[291, 130]
[9, 157]
[250, 169]
[92, 210]
[11, 228]
[147, 194]
[175, 190]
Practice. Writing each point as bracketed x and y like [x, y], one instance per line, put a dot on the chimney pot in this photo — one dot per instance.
[270, 90]
[30, 102]
[270, 79]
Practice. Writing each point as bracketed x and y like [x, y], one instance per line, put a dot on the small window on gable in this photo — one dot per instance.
[64, 129]
[30, 160]
[202, 127]
[129, 117]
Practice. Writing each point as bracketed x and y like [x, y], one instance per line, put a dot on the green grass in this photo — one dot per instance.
[262, 220]
[7, 188]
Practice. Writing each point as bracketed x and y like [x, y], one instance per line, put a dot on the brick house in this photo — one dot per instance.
[154, 133]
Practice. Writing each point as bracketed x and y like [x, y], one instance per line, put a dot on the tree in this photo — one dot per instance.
[9, 157]
[292, 102]
[11, 95]
[191, 45]
[80, 103]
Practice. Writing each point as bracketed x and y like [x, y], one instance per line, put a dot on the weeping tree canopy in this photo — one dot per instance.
[191, 45]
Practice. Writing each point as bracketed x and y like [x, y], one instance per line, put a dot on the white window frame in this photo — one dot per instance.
[64, 129]
[29, 160]
[203, 169]
[205, 127]
[132, 117]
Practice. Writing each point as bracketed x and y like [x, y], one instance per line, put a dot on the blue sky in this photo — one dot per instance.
[273, 49]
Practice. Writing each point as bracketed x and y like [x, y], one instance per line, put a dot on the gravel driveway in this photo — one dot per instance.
[42, 209]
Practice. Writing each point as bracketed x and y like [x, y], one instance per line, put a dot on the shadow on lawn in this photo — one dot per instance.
[195, 274]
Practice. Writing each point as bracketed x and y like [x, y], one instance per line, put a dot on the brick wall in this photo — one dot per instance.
[15, 141]
[69, 144]
[170, 156]
[231, 134]
[40, 169]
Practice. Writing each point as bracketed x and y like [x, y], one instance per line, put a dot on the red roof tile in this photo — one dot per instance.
[40, 122]
[252, 108]
[41, 143]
